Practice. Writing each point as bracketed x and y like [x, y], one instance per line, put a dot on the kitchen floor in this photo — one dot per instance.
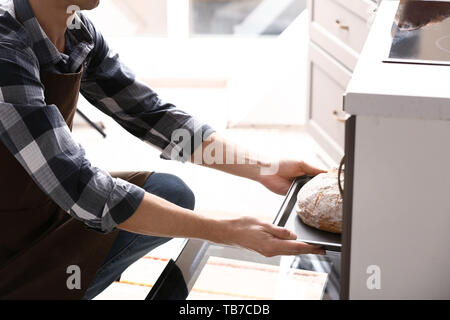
[217, 194]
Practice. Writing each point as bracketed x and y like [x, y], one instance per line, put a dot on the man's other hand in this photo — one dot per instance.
[287, 170]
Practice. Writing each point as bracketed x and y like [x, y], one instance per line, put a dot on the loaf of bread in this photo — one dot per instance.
[319, 203]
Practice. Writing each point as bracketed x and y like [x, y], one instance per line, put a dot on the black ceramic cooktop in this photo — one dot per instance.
[423, 42]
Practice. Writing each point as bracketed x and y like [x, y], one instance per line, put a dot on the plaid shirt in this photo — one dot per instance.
[38, 136]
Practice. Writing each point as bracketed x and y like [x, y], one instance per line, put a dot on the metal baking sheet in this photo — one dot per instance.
[287, 217]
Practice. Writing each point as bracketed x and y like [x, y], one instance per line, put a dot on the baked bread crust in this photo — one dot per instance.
[319, 203]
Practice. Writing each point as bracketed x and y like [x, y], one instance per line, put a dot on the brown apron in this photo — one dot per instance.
[38, 240]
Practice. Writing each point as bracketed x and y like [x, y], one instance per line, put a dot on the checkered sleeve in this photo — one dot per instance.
[113, 88]
[37, 135]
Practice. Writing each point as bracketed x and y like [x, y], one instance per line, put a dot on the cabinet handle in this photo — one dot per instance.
[342, 26]
[339, 118]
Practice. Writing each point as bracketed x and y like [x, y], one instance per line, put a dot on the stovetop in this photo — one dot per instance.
[428, 44]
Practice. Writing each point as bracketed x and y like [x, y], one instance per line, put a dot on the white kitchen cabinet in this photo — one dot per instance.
[328, 80]
[338, 30]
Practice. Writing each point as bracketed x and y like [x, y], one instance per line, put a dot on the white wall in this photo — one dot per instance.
[265, 75]
[271, 85]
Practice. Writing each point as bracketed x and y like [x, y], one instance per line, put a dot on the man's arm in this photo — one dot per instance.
[156, 216]
[112, 87]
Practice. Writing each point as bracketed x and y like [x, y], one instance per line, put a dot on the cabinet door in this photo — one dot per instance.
[327, 83]
[341, 27]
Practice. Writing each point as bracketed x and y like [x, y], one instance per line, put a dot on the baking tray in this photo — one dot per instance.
[287, 217]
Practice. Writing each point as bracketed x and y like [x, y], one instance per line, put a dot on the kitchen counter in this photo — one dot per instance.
[392, 89]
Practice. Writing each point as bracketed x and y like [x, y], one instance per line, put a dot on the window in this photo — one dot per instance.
[243, 17]
[184, 18]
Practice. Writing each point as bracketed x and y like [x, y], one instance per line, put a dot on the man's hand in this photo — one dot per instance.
[287, 171]
[276, 176]
[265, 238]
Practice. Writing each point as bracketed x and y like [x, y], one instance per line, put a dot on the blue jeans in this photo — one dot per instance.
[129, 247]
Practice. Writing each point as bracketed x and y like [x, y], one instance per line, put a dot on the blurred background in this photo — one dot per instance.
[229, 62]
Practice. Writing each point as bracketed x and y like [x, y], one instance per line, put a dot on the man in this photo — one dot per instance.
[52, 200]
